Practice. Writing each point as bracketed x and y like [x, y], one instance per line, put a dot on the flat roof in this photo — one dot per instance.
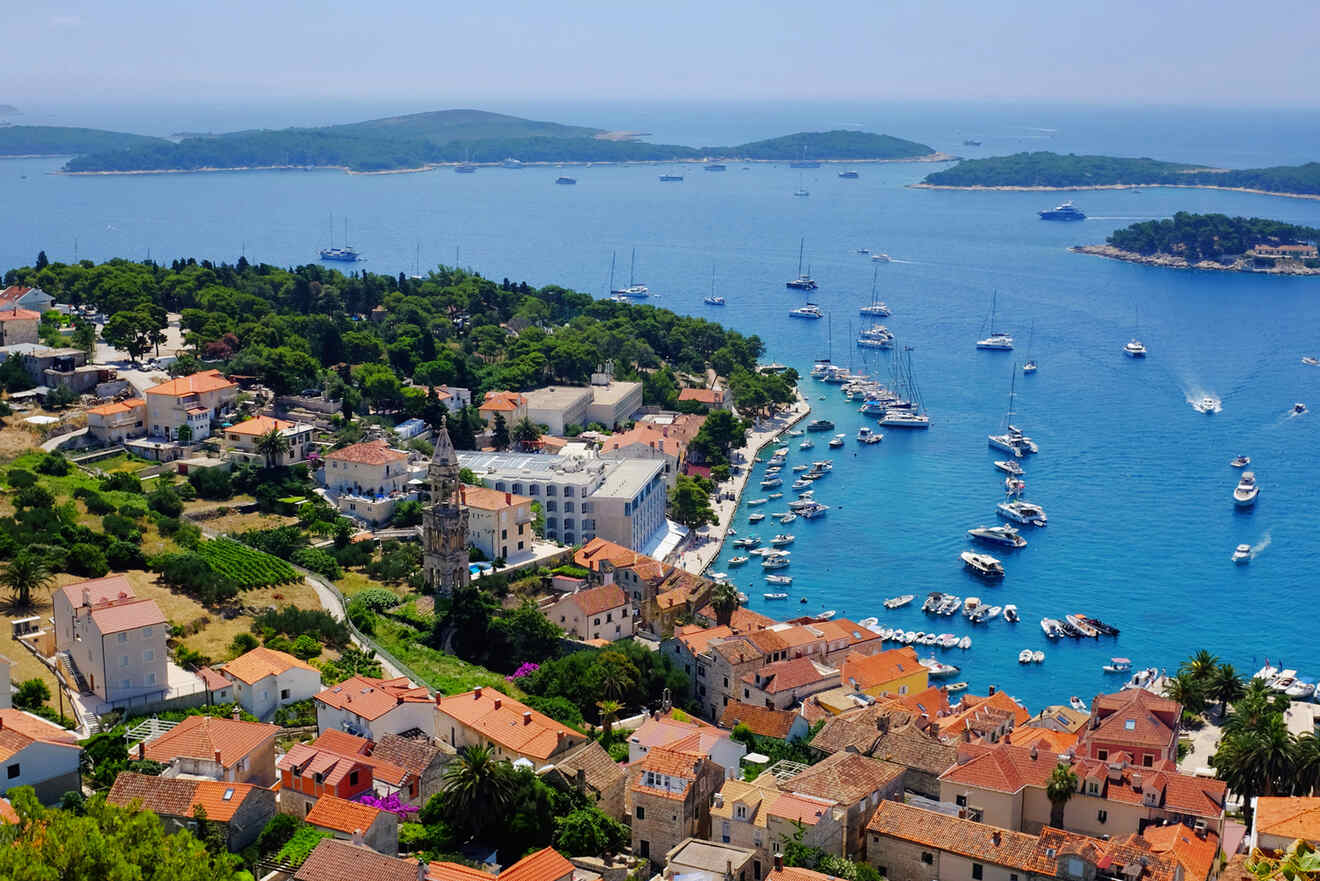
[613, 393]
[560, 469]
[628, 477]
[556, 397]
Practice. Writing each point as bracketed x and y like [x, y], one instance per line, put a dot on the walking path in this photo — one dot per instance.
[703, 546]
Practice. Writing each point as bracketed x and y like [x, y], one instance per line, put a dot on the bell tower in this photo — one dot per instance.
[445, 522]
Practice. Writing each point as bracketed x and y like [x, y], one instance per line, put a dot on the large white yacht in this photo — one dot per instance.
[1023, 512]
[983, 565]
[1007, 536]
[810, 311]
[1244, 496]
[1135, 349]
[1013, 441]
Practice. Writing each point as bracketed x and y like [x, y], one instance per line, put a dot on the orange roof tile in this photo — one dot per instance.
[128, 614]
[1133, 716]
[19, 315]
[978, 841]
[196, 383]
[441, 871]
[490, 499]
[372, 698]
[503, 720]
[1043, 739]
[341, 815]
[1289, 817]
[743, 620]
[368, 453]
[847, 778]
[253, 666]
[18, 731]
[544, 865]
[100, 590]
[595, 600]
[759, 720]
[1196, 854]
[796, 873]
[790, 675]
[116, 407]
[259, 425]
[800, 808]
[198, 737]
[335, 860]
[701, 395]
[871, 671]
[180, 796]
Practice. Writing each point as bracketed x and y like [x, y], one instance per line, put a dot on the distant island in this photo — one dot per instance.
[1054, 171]
[49, 140]
[423, 140]
[8, 110]
[1217, 242]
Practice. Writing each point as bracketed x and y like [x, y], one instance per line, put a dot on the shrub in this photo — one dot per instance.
[30, 694]
[121, 527]
[292, 621]
[242, 643]
[189, 659]
[305, 648]
[397, 561]
[87, 560]
[166, 501]
[54, 464]
[193, 575]
[318, 561]
[296, 714]
[124, 555]
[133, 512]
[377, 599]
[277, 833]
[407, 513]
[300, 845]
[34, 497]
[20, 478]
[186, 491]
[211, 483]
[121, 481]
[96, 503]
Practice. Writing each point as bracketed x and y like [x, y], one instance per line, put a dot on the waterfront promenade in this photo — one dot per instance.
[704, 544]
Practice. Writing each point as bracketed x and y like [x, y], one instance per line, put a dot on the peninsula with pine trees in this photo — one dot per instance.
[1215, 242]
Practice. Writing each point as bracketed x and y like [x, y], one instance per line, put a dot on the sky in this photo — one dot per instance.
[444, 54]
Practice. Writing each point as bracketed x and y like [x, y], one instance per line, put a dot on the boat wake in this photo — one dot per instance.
[1260, 546]
[1203, 401]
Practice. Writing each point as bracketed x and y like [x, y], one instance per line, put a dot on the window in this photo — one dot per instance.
[978, 871]
[123, 636]
[641, 812]
[1093, 788]
[146, 632]
[596, 622]
[960, 801]
[353, 778]
[644, 849]
[1102, 754]
[568, 492]
[927, 857]
[123, 660]
[726, 681]
[504, 533]
[568, 506]
[884, 870]
[552, 506]
[151, 679]
[148, 656]
[229, 794]
[1102, 816]
[1148, 760]
[1075, 867]
[1012, 876]
[1129, 724]
[13, 770]
[284, 694]
[740, 811]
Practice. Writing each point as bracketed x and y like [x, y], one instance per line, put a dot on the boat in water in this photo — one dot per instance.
[781, 540]
[809, 311]
[1011, 614]
[1311, 361]
[875, 309]
[1242, 554]
[907, 411]
[715, 166]
[1118, 665]
[1005, 536]
[899, 601]
[1064, 211]
[820, 425]
[837, 441]
[566, 181]
[1298, 409]
[1008, 466]
[804, 281]
[1134, 349]
[1051, 627]
[738, 561]
[713, 301]
[866, 436]
[849, 175]
[634, 290]
[779, 579]
[756, 517]
[983, 565]
[345, 254]
[881, 257]
[775, 596]
[1206, 404]
[1244, 495]
[1021, 511]
[937, 669]
[671, 178]
[1079, 705]
[1240, 462]
[997, 341]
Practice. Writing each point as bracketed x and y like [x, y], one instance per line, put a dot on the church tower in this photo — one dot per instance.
[445, 522]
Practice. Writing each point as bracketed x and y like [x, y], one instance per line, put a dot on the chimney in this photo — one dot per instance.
[527, 717]
[1033, 752]
[728, 869]
[992, 692]
[86, 597]
[142, 749]
[498, 703]
[358, 840]
[438, 698]
[217, 757]
[476, 693]
[421, 870]
[996, 837]
[508, 498]
[235, 715]
[779, 861]
[1136, 782]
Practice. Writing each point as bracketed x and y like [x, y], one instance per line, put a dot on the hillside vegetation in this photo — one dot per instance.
[49, 140]
[422, 139]
[1045, 169]
[1207, 236]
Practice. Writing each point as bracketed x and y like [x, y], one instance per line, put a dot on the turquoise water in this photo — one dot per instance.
[1136, 483]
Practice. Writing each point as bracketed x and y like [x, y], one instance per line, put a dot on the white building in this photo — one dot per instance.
[367, 480]
[193, 400]
[613, 402]
[241, 439]
[115, 639]
[265, 680]
[39, 754]
[622, 501]
[559, 405]
[373, 708]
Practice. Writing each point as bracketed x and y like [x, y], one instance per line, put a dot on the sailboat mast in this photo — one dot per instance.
[612, 256]
[632, 269]
[1012, 393]
[802, 244]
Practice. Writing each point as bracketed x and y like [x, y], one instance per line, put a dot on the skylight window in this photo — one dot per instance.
[229, 793]
[1130, 724]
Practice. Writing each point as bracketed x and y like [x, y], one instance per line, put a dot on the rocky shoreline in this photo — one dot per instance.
[1171, 261]
[929, 157]
[1078, 189]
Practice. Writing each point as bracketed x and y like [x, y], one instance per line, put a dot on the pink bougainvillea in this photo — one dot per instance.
[525, 668]
[391, 803]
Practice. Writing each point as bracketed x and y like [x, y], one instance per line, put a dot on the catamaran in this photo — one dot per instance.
[875, 308]
[908, 411]
[804, 281]
[998, 340]
[633, 290]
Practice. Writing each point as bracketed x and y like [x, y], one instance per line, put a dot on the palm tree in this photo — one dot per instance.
[1225, 687]
[609, 711]
[1257, 761]
[1061, 787]
[1187, 690]
[617, 674]
[1306, 763]
[1201, 666]
[478, 789]
[525, 433]
[25, 573]
[724, 599]
[1257, 703]
[272, 445]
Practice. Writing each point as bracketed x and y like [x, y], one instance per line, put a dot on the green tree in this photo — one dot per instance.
[609, 711]
[1187, 690]
[1306, 763]
[104, 841]
[31, 694]
[724, 599]
[28, 571]
[588, 832]
[499, 432]
[184, 433]
[134, 331]
[1061, 787]
[618, 674]
[1200, 666]
[689, 503]
[272, 445]
[526, 433]
[477, 790]
[1257, 761]
[1225, 686]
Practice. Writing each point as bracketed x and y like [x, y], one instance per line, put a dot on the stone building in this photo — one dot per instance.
[445, 522]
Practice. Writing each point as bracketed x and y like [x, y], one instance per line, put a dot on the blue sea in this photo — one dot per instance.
[1136, 483]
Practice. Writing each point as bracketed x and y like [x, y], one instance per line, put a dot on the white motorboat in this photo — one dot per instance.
[970, 605]
[896, 602]
[1118, 665]
[793, 432]
[754, 502]
[1024, 656]
[755, 517]
[1024, 512]
[1078, 704]
[1037, 656]
[1030, 367]
[868, 623]
[776, 561]
[1242, 554]
[1014, 486]
[937, 669]
[991, 613]
[1300, 690]
[1284, 681]
[1008, 466]
[738, 561]
[771, 483]
[1311, 361]
[837, 441]
[1134, 349]
[1005, 536]
[786, 518]
[881, 257]
[1207, 405]
[866, 436]
[825, 616]
[750, 541]
[809, 311]
[1240, 462]
[1244, 496]
[1051, 628]
[776, 495]
[775, 596]
[1298, 409]
[1011, 614]
[1080, 623]
[807, 444]
[781, 540]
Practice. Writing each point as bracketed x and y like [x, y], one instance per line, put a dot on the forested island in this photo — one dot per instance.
[53, 140]
[1215, 241]
[1055, 171]
[423, 140]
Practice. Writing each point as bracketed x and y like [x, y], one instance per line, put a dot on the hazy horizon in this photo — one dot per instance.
[431, 57]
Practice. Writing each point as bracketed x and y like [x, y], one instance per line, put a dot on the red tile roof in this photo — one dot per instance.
[180, 796]
[115, 407]
[760, 720]
[100, 589]
[18, 731]
[341, 815]
[1289, 817]
[253, 666]
[847, 778]
[368, 453]
[490, 499]
[503, 720]
[795, 673]
[701, 395]
[372, 698]
[871, 671]
[19, 315]
[198, 737]
[800, 808]
[1133, 716]
[795, 873]
[977, 841]
[259, 425]
[596, 600]
[1195, 852]
[117, 616]
[334, 860]
[544, 865]
[196, 383]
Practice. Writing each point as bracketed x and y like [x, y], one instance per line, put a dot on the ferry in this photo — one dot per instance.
[820, 425]
[1065, 211]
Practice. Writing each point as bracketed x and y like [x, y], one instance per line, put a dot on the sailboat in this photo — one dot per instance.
[822, 367]
[908, 411]
[998, 340]
[875, 308]
[1012, 440]
[467, 167]
[1135, 348]
[417, 263]
[801, 190]
[1031, 366]
[804, 162]
[713, 300]
[346, 254]
[633, 290]
[802, 282]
